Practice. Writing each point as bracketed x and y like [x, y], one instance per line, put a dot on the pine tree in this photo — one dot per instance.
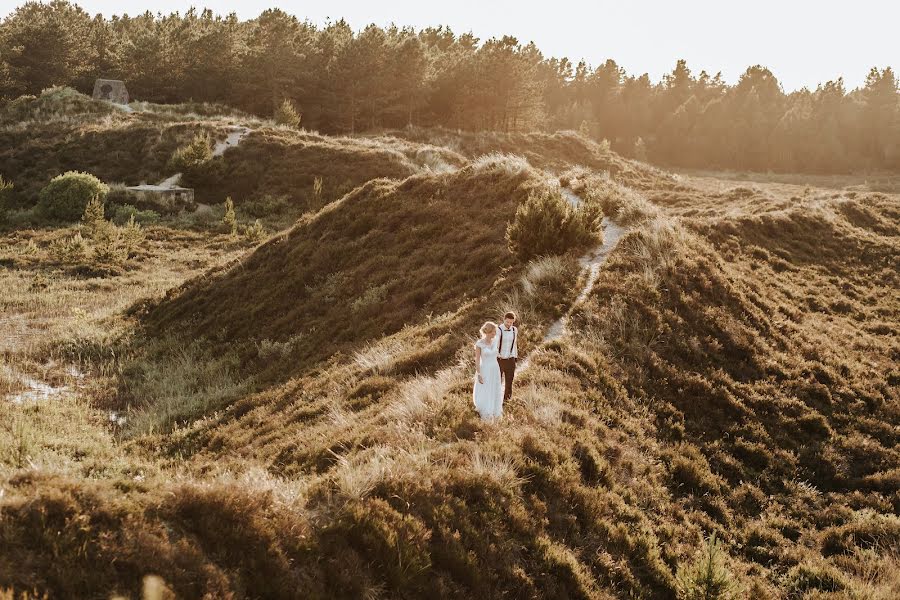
[94, 216]
[133, 236]
[230, 219]
[287, 115]
[707, 578]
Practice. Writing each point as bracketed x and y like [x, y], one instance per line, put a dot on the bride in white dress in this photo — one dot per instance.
[488, 391]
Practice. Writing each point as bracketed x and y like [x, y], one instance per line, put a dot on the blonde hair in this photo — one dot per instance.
[488, 326]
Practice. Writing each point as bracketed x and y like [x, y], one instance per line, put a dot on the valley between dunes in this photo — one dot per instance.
[288, 413]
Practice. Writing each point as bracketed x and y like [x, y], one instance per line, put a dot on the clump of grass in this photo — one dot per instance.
[814, 576]
[501, 469]
[379, 357]
[317, 186]
[267, 349]
[20, 445]
[510, 164]
[419, 397]
[170, 382]
[546, 272]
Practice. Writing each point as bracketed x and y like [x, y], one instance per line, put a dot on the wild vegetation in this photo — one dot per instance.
[342, 81]
[222, 412]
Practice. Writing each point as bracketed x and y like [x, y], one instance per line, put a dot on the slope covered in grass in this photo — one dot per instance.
[386, 255]
[278, 169]
[732, 372]
[700, 392]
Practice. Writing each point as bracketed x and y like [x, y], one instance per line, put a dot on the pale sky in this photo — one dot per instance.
[804, 42]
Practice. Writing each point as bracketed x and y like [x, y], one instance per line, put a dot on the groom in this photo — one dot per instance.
[508, 351]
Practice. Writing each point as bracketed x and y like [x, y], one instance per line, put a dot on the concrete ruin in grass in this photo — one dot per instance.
[162, 199]
[111, 90]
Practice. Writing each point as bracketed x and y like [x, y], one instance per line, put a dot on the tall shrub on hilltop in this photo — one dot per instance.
[286, 114]
[547, 224]
[192, 155]
[195, 161]
[66, 196]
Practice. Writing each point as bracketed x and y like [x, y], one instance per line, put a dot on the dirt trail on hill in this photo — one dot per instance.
[590, 264]
[232, 140]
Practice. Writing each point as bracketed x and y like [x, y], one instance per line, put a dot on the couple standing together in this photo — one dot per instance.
[495, 364]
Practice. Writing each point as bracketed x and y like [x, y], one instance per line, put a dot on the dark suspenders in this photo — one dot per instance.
[511, 348]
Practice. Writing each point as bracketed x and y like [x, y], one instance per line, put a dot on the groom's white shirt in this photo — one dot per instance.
[510, 337]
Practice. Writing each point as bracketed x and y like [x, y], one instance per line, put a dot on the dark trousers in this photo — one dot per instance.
[508, 370]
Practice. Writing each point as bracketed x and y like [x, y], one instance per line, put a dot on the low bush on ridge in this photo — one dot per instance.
[547, 224]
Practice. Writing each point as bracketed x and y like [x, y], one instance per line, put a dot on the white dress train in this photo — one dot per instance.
[488, 396]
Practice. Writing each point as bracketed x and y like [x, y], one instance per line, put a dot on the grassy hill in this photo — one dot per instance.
[299, 413]
[279, 168]
[556, 152]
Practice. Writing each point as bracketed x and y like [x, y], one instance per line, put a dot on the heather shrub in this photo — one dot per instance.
[690, 471]
[546, 224]
[123, 213]
[66, 196]
[267, 205]
[814, 575]
[867, 530]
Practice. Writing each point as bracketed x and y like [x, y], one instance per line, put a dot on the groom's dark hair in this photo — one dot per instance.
[510, 315]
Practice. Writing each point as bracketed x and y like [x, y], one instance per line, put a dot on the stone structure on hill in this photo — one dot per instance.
[111, 90]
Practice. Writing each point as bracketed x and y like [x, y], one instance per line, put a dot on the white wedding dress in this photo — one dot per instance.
[488, 396]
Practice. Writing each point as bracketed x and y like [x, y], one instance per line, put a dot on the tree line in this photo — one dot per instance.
[348, 82]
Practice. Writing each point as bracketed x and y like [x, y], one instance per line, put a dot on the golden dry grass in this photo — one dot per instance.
[733, 371]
